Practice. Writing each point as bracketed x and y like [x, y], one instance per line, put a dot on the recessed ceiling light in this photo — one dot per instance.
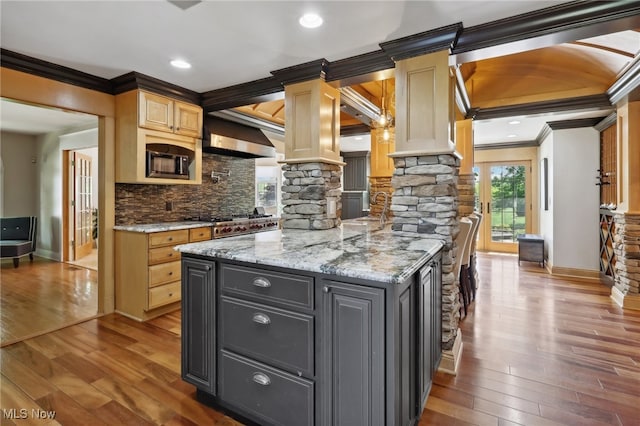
[310, 20]
[179, 63]
[511, 135]
[514, 122]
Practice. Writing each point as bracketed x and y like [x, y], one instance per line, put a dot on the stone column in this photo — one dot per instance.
[626, 246]
[425, 199]
[312, 165]
[626, 242]
[466, 179]
[381, 170]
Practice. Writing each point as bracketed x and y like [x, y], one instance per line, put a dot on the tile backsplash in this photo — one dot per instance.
[235, 194]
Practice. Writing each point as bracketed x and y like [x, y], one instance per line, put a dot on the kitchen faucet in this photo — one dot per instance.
[383, 215]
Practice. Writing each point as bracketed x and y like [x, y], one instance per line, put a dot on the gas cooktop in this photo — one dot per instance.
[238, 224]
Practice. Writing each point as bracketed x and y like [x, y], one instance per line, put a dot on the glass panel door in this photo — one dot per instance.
[503, 194]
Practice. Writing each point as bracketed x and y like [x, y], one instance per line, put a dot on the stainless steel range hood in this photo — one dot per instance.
[224, 137]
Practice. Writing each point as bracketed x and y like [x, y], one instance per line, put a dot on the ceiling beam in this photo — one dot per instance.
[600, 101]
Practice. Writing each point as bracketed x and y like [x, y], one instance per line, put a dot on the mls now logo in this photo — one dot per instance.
[23, 413]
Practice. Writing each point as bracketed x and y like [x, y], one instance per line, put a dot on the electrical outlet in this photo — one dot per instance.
[169, 206]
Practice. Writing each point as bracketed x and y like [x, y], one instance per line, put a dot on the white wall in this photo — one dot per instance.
[576, 198]
[18, 154]
[50, 148]
[546, 216]
[570, 226]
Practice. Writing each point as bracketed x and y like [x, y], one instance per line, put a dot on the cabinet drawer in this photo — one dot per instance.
[275, 336]
[159, 239]
[199, 234]
[272, 395]
[267, 286]
[164, 294]
[162, 255]
[164, 273]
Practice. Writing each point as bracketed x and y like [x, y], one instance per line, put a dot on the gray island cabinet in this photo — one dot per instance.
[334, 327]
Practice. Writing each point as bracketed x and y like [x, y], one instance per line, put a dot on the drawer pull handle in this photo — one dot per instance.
[208, 268]
[170, 294]
[325, 289]
[261, 282]
[261, 319]
[261, 379]
[170, 254]
[170, 238]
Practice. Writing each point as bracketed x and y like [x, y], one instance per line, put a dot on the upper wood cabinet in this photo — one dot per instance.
[168, 115]
[149, 122]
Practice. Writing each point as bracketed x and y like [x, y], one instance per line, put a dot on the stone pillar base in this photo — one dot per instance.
[311, 196]
[451, 358]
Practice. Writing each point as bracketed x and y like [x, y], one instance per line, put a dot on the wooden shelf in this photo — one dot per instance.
[607, 254]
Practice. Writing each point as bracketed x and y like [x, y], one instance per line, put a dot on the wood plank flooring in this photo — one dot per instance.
[41, 296]
[538, 350]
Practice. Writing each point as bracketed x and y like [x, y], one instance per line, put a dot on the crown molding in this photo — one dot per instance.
[19, 62]
[135, 80]
[564, 17]
[581, 102]
[356, 66]
[577, 123]
[435, 40]
[627, 83]
[504, 145]
[304, 72]
[253, 92]
[607, 122]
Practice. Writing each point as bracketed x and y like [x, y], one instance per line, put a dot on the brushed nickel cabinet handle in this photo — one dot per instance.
[325, 289]
[261, 319]
[208, 267]
[261, 379]
[262, 282]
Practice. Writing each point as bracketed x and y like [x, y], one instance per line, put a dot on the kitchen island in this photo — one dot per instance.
[338, 326]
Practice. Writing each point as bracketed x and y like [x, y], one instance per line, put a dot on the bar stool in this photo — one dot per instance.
[473, 271]
[465, 277]
[461, 242]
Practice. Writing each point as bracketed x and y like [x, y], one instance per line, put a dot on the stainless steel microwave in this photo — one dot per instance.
[164, 165]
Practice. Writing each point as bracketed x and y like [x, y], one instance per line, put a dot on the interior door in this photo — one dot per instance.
[82, 206]
[503, 196]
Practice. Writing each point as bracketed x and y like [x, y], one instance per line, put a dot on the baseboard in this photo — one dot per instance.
[574, 272]
[48, 254]
[451, 358]
[626, 301]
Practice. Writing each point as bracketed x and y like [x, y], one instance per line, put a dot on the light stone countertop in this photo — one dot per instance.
[356, 249]
[160, 227]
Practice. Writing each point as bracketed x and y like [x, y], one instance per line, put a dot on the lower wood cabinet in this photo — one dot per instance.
[148, 270]
[286, 347]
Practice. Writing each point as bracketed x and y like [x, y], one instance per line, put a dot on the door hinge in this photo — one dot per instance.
[73, 163]
[73, 203]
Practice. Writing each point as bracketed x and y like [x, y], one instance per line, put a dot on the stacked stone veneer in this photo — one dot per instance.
[626, 245]
[466, 194]
[425, 201]
[379, 184]
[305, 189]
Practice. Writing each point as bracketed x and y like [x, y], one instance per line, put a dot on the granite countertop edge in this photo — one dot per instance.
[161, 227]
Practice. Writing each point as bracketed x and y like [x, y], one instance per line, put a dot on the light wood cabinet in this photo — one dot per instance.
[168, 115]
[148, 271]
[146, 121]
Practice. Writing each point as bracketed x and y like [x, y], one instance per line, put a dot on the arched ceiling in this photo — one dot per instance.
[586, 67]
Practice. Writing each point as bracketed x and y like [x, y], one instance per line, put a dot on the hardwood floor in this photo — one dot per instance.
[42, 296]
[538, 350]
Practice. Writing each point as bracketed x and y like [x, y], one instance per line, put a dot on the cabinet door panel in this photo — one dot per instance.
[188, 119]
[352, 333]
[156, 112]
[198, 324]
